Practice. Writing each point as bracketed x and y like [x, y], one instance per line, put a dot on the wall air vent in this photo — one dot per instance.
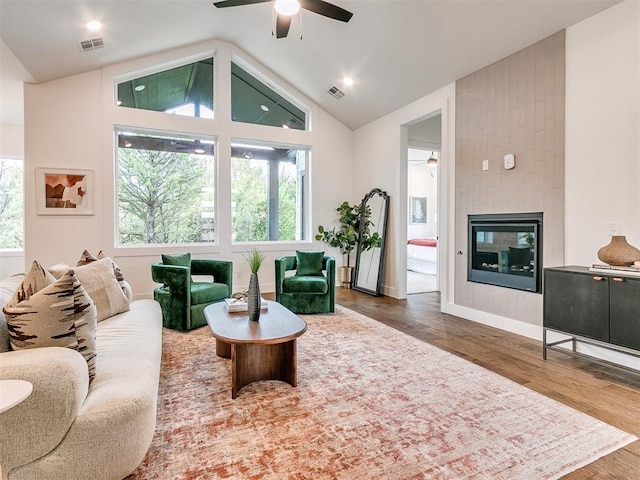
[336, 93]
[91, 44]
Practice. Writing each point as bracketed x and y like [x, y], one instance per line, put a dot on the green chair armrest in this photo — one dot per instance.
[177, 280]
[329, 266]
[283, 264]
[221, 270]
[172, 276]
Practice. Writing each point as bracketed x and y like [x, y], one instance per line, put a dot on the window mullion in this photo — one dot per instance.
[273, 209]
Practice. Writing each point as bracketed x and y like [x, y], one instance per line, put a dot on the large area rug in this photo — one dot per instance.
[371, 403]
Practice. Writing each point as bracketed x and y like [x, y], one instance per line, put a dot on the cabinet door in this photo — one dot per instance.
[624, 312]
[577, 303]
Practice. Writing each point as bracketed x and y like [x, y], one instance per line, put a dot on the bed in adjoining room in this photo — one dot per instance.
[422, 255]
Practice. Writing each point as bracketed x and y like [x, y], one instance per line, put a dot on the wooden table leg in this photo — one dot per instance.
[252, 363]
[223, 349]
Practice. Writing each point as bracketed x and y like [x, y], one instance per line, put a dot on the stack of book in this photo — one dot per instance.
[238, 305]
[615, 269]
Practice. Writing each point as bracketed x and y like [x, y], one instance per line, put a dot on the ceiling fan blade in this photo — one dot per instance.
[283, 22]
[237, 3]
[326, 9]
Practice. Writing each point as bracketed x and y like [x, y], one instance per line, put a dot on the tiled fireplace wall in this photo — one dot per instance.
[513, 106]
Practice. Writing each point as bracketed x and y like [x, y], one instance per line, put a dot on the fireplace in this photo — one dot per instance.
[506, 250]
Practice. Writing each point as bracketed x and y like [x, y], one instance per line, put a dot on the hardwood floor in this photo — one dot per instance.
[608, 393]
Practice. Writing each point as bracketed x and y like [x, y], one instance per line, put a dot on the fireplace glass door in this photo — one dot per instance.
[505, 250]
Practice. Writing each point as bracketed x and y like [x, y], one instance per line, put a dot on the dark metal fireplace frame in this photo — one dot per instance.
[480, 271]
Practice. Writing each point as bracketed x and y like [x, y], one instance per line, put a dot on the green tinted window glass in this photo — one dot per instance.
[254, 102]
[185, 90]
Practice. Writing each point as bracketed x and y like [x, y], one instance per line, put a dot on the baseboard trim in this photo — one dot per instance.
[496, 321]
[535, 332]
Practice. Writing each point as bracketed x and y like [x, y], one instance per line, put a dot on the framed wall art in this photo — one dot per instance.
[418, 212]
[62, 191]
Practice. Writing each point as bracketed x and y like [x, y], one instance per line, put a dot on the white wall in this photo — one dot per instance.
[69, 124]
[602, 131]
[380, 160]
[602, 155]
[602, 151]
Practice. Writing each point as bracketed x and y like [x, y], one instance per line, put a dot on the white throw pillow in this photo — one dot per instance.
[87, 257]
[100, 282]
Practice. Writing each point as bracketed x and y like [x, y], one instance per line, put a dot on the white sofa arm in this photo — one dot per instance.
[33, 428]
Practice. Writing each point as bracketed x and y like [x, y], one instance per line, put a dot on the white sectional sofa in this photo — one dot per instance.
[68, 428]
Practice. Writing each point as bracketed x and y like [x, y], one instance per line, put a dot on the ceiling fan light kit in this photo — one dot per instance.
[286, 8]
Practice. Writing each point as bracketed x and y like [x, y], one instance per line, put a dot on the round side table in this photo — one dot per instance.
[12, 392]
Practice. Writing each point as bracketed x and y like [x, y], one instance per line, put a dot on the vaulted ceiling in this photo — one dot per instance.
[396, 51]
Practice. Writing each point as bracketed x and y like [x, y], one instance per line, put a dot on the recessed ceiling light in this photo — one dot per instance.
[94, 25]
[348, 81]
[139, 88]
[264, 108]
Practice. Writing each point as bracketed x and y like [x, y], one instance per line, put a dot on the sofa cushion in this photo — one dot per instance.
[309, 263]
[310, 284]
[207, 292]
[34, 280]
[60, 314]
[87, 258]
[100, 282]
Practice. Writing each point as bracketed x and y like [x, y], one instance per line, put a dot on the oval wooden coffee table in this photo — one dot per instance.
[262, 350]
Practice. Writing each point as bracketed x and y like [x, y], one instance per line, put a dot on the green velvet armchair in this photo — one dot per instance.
[309, 290]
[181, 299]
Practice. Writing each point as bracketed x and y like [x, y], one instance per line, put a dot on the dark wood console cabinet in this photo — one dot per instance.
[596, 308]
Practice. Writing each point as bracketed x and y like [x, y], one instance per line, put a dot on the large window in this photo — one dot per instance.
[11, 204]
[254, 102]
[185, 90]
[165, 188]
[267, 192]
[167, 168]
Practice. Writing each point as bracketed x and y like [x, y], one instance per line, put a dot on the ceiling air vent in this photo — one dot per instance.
[336, 93]
[91, 44]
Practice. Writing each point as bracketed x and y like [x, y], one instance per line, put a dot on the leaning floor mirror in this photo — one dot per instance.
[371, 241]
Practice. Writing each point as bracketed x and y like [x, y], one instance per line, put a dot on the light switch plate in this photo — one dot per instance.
[485, 164]
[509, 161]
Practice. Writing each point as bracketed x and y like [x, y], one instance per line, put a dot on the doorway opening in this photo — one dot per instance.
[423, 155]
[422, 228]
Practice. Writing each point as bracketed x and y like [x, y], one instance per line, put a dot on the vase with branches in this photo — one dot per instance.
[254, 258]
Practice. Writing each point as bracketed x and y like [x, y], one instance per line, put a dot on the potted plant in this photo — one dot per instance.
[254, 258]
[345, 236]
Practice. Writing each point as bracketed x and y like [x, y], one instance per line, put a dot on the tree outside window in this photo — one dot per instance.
[267, 201]
[165, 190]
[11, 204]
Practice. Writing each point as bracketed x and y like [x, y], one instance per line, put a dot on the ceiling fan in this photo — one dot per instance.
[285, 9]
